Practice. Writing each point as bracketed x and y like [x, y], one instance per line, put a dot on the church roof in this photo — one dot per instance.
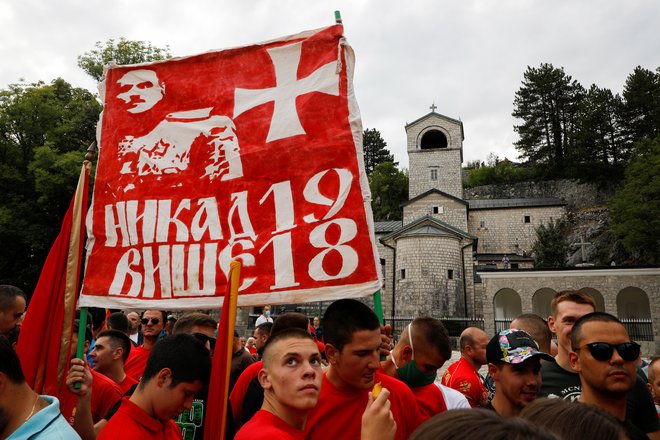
[433, 113]
[428, 225]
[514, 203]
[433, 191]
[388, 226]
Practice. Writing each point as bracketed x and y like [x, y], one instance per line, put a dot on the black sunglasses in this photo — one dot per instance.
[154, 321]
[602, 351]
[202, 337]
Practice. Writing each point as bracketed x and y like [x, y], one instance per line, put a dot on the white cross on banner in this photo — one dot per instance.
[252, 153]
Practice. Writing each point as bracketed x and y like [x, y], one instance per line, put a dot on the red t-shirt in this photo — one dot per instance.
[237, 396]
[105, 393]
[461, 376]
[133, 423]
[136, 362]
[267, 426]
[430, 400]
[126, 384]
[338, 413]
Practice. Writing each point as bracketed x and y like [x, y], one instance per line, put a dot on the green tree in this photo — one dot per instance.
[635, 210]
[375, 150]
[548, 105]
[641, 108]
[122, 52]
[389, 189]
[551, 246]
[600, 151]
[44, 132]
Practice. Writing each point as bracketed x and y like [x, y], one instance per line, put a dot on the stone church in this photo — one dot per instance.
[457, 257]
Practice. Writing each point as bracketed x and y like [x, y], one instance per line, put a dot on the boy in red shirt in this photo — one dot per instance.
[352, 347]
[178, 367]
[291, 377]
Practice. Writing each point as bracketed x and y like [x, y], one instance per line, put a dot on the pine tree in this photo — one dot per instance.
[375, 150]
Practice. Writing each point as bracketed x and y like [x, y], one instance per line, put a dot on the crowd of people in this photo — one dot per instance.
[341, 376]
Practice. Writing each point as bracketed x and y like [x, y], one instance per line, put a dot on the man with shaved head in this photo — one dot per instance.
[536, 327]
[463, 374]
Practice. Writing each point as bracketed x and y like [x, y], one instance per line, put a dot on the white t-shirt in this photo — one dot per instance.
[453, 399]
[261, 319]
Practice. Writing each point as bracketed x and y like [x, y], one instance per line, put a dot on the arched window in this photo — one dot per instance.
[433, 139]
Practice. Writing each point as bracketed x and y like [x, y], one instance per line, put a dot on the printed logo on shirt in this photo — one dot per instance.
[190, 420]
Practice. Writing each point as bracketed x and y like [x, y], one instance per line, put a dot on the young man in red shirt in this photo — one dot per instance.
[153, 322]
[178, 367]
[463, 374]
[291, 377]
[422, 349]
[352, 347]
[109, 353]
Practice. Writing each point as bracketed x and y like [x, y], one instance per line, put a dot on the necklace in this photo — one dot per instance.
[34, 405]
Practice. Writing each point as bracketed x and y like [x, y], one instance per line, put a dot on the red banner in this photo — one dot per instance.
[253, 153]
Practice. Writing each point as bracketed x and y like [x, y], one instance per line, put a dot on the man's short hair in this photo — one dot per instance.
[651, 371]
[576, 332]
[117, 321]
[537, 328]
[8, 295]
[10, 365]
[345, 317]
[467, 338]
[185, 356]
[265, 328]
[189, 320]
[289, 320]
[88, 332]
[434, 334]
[118, 339]
[575, 296]
[285, 333]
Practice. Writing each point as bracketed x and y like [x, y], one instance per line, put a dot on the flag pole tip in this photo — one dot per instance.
[337, 17]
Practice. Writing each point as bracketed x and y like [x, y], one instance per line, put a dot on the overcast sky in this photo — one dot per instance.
[467, 56]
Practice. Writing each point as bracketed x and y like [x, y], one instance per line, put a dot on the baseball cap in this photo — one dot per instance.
[513, 347]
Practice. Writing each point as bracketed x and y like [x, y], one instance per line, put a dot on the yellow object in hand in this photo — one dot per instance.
[377, 389]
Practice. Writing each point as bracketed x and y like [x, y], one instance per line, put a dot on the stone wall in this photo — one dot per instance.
[607, 283]
[452, 211]
[446, 161]
[575, 194]
[388, 273]
[505, 230]
[426, 289]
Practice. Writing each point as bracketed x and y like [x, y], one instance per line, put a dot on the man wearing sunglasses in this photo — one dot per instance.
[153, 322]
[604, 357]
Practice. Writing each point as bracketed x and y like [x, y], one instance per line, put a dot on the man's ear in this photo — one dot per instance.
[493, 371]
[117, 353]
[575, 361]
[86, 346]
[164, 377]
[406, 354]
[331, 353]
[551, 324]
[264, 380]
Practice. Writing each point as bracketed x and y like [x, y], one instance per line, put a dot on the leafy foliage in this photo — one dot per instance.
[501, 172]
[389, 189]
[375, 150]
[122, 52]
[44, 132]
[635, 210]
[551, 246]
[548, 104]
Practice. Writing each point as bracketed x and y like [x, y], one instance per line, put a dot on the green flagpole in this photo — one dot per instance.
[337, 17]
[80, 349]
[378, 307]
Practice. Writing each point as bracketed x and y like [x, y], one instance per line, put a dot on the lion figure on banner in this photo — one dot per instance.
[166, 148]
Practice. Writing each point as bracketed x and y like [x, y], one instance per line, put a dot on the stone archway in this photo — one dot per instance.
[507, 306]
[541, 302]
[634, 310]
[597, 296]
[433, 139]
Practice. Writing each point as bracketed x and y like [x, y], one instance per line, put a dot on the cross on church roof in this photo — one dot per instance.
[433, 107]
[583, 244]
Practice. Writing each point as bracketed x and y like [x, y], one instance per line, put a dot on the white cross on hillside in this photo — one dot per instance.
[288, 87]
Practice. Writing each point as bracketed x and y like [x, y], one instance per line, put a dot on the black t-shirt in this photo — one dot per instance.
[640, 409]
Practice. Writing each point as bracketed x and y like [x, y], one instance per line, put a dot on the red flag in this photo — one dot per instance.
[216, 411]
[44, 344]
